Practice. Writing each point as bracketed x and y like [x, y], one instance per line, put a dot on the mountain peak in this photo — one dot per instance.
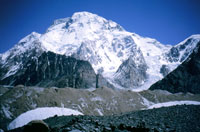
[103, 43]
[95, 20]
[194, 37]
[76, 16]
[83, 14]
[30, 37]
[86, 20]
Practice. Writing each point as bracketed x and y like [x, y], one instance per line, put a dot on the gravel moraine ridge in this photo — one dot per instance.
[183, 118]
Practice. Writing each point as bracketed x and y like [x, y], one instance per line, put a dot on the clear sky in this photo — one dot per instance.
[168, 21]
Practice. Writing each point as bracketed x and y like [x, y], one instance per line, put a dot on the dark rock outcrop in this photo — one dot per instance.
[20, 54]
[164, 70]
[36, 126]
[185, 78]
[51, 69]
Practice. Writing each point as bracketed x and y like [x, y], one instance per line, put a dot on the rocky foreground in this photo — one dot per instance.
[184, 118]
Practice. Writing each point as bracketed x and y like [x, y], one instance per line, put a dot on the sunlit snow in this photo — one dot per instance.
[40, 114]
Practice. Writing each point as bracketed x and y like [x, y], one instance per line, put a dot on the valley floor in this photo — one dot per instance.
[93, 102]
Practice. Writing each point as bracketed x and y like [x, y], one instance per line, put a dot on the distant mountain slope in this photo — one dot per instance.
[185, 78]
[181, 51]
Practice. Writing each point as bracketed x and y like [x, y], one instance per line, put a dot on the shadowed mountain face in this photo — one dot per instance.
[51, 69]
[186, 78]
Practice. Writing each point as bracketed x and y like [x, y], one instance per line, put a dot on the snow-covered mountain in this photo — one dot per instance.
[181, 51]
[185, 78]
[111, 50]
[162, 59]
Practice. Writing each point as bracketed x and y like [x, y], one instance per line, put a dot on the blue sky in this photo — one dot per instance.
[168, 21]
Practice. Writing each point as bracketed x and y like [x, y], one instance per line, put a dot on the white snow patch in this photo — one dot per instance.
[91, 89]
[40, 114]
[33, 105]
[62, 105]
[38, 90]
[96, 99]
[12, 71]
[99, 111]
[173, 103]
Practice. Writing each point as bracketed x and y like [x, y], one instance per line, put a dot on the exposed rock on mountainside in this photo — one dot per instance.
[130, 73]
[14, 59]
[180, 52]
[185, 78]
[164, 70]
[51, 69]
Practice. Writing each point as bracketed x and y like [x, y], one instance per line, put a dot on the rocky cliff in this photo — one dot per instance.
[185, 78]
[51, 69]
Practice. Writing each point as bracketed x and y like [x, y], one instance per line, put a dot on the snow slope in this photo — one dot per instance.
[22, 46]
[172, 103]
[40, 114]
[87, 36]
[181, 51]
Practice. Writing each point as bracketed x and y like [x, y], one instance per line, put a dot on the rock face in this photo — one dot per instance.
[185, 78]
[50, 70]
[14, 59]
[164, 70]
[180, 52]
[130, 73]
